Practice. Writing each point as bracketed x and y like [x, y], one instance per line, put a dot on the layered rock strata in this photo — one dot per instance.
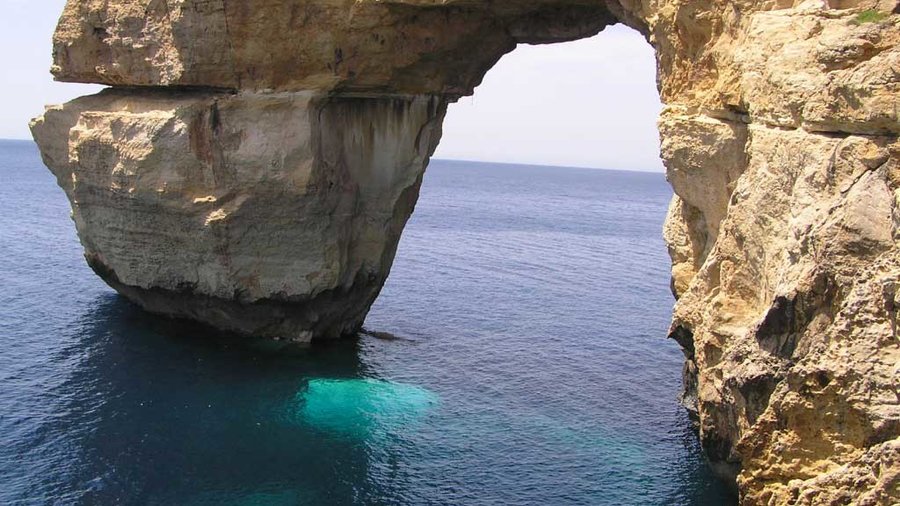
[272, 214]
[255, 162]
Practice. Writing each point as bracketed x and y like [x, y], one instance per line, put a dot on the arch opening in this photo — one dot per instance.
[586, 103]
[538, 254]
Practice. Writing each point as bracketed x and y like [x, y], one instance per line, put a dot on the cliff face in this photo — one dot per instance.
[256, 161]
[271, 214]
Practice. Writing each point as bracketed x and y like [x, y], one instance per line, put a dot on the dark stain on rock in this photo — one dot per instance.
[777, 333]
[756, 392]
[823, 378]
[787, 319]
[889, 293]
[719, 450]
[202, 132]
[685, 338]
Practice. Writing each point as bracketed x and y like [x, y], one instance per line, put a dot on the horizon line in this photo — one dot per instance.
[531, 164]
[467, 160]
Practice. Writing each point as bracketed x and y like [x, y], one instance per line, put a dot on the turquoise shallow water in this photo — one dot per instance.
[362, 408]
[528, 364]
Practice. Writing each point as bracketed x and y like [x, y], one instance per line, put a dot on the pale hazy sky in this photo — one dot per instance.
[589, 103]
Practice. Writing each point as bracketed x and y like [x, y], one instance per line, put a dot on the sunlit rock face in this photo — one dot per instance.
[260, 177]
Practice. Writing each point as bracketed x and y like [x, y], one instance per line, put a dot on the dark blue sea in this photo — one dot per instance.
[520, 359]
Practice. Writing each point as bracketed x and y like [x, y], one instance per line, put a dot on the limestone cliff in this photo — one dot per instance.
[271, 214]
[255, 162]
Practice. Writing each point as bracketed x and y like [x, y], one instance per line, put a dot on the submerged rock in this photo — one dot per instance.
[256, 161]
[362, 408]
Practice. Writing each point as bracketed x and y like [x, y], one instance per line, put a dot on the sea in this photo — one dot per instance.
[516, 356]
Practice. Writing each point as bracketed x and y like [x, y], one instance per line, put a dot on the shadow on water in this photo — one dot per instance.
[156, 412]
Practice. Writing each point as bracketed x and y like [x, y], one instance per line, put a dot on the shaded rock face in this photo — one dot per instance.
[255, 162]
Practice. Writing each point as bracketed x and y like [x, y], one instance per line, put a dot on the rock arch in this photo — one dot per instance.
[254, 162]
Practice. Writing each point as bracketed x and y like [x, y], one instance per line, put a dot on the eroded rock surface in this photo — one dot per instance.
[256, 161]
[270, 215]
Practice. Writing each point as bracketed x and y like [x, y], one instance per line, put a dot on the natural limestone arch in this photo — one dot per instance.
[255, 161]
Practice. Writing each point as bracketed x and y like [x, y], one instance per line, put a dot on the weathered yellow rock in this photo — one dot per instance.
[277, 210]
